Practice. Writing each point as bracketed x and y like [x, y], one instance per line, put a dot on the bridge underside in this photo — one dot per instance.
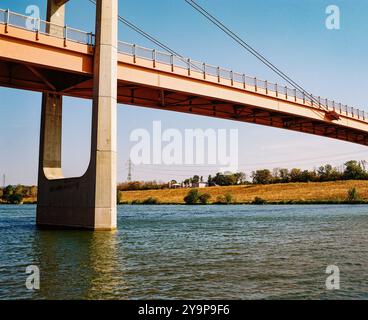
[41, 79]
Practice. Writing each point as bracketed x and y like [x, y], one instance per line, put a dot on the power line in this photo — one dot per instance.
[250, 49]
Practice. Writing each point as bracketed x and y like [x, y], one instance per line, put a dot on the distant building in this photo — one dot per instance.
[199, 185]
[188, 185]
[176, 186]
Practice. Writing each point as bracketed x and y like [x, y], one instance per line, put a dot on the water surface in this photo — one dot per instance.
[191, 252]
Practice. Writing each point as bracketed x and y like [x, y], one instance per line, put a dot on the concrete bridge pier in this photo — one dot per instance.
[87, 202]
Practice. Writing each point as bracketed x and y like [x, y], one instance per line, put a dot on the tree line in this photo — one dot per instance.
[16, 194]
[142, 185]
[353, 170]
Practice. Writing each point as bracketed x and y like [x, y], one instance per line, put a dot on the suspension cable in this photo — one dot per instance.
[251, 50]
[152, 39]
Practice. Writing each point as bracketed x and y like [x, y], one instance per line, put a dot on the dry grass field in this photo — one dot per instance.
[298, 192]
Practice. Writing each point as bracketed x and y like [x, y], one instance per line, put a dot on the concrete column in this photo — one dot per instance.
[56, 12]
[87, 202]
[104, 113]
[52, 106]
[50, 136]
[56, 16]
[49, 167]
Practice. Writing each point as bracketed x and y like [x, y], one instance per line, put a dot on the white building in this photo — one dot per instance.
[199, 185]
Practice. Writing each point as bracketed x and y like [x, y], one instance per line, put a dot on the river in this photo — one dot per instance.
[191, 252]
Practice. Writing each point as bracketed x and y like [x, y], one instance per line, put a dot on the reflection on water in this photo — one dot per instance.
[85, 261]
[231, 252]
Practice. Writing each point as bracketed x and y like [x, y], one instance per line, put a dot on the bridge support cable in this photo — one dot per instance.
[153, 40]
[254, 52]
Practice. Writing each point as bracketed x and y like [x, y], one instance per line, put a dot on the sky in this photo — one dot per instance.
[290, 33]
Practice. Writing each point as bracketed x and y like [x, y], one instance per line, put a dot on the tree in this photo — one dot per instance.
[209, 180]
[15, 198]
[19, 189]
[195, 179]
[275, 175]
[187, 183]
[220, 179]
[204, 198]
[262, 176]
[284, 175]
[353, 195]
[228, 198]
[240, 177]
[8, 191]
[192, 197]
[295, 175]
[225, 179]
[328, 173]
[354, 171]
[225, 199]
[308, 176]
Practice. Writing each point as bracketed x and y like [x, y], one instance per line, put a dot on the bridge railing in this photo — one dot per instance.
[17, 20]
[36, 25]
[239, 78]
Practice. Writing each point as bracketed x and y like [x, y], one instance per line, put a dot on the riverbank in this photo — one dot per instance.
[288, 193]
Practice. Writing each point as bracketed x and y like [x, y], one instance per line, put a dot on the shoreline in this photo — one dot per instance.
[336, 192]
[248, 203]
[278, 203]
[346, 192]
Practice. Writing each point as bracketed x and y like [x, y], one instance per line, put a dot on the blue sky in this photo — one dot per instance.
[291, 33]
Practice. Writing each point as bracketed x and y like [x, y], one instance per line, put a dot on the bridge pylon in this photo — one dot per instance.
[87, 202]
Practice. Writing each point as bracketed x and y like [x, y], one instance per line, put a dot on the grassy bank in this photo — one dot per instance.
[290, 193]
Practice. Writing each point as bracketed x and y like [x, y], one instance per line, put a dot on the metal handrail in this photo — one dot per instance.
[245, 80]
[25, 22]
[71, 34]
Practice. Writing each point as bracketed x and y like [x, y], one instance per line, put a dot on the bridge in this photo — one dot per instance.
[49, 57]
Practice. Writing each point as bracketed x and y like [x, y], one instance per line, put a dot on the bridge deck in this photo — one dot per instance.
[34, 60]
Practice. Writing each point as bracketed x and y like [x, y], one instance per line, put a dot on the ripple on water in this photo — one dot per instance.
[214, 252]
